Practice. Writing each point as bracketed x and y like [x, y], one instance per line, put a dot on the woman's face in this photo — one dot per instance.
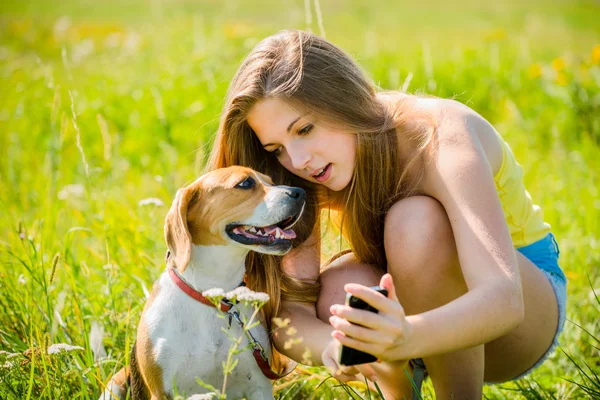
[305, 147]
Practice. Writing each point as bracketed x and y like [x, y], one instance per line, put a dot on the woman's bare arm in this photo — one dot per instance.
[461, 178]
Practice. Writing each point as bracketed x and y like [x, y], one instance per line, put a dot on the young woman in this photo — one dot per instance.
[433, 205]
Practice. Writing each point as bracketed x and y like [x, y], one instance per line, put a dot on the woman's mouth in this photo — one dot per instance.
[323, 174]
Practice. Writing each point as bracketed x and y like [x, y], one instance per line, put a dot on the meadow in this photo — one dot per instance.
[108, 107]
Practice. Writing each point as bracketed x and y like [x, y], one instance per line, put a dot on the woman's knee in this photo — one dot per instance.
[344, 269]
[418, 236]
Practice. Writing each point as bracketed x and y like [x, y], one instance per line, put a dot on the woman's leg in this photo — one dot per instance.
[422, 259]
[392, 378]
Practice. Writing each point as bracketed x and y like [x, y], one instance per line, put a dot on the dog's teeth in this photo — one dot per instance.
[252, 230]
[277, 235]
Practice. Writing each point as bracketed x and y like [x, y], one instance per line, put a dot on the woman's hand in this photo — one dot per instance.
[330, 357]
[386, 335]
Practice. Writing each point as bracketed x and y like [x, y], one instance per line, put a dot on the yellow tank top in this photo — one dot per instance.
[525, 220]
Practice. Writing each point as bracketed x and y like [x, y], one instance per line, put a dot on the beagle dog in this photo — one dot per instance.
[212, 225]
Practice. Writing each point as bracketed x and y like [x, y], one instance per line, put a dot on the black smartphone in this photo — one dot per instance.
[348, 355]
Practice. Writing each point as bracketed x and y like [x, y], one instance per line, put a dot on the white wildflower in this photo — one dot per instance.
[243, 294]
[62, 347]
[75, 190]
[113, 40]
[8, 365]
[9, 355]
[137, 94]
[214, 294]
[110, 267]
[22, 280]
[151, 201]
[132, 41]
[62, 25]
[206, 396]
[81, 50]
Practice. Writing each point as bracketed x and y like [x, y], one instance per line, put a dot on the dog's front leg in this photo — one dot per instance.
[262, 391]
[116, 388]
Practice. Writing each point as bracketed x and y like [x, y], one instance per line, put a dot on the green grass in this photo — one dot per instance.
[146, 81]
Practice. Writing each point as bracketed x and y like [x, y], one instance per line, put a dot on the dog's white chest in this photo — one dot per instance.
[189, 344]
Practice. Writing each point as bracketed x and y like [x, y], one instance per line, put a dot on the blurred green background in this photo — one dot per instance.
[105, 104]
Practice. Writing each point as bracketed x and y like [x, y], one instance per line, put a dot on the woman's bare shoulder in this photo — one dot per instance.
[459, 125]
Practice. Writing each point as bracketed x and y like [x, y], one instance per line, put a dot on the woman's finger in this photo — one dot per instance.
[367, 370]
[356, 331]
[335, 370]
[348, 370]
[363, 318]
[387, 282]
[374, 298]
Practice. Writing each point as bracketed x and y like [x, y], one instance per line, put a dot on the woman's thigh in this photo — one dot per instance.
[394, 379]
[344, 269]
[514, 353]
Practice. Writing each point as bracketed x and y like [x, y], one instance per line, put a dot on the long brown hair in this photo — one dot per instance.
[311, 73]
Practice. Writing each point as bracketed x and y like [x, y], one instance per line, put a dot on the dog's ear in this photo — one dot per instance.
[177, 233]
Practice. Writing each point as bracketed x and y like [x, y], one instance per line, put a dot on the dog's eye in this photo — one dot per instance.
[247, 183]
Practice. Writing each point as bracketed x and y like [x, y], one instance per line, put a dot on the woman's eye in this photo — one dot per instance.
[305, 129]
[247, 183]
[276, 152]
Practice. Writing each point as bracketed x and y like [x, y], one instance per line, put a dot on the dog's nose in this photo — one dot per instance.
[296, 193]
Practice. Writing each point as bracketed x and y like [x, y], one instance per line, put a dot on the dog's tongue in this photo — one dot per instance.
[284, 234]
[273, 232]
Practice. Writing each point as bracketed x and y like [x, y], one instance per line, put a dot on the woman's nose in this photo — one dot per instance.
[299, 158]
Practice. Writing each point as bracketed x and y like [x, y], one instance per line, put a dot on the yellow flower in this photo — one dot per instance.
[562, 79]
[236, 30]
[495, 35]
[96, 30]
[596, 54]
[534, 71]
[20, 26]
[572, 275]
[281, 323]
[291, 331]
[306, 357]
[558, 64]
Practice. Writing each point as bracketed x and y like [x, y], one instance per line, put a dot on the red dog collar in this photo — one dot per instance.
[226, 306]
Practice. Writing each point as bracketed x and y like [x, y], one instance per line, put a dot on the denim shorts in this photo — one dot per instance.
[544, 254]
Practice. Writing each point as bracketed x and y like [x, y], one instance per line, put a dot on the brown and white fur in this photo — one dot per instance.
[180, 339]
